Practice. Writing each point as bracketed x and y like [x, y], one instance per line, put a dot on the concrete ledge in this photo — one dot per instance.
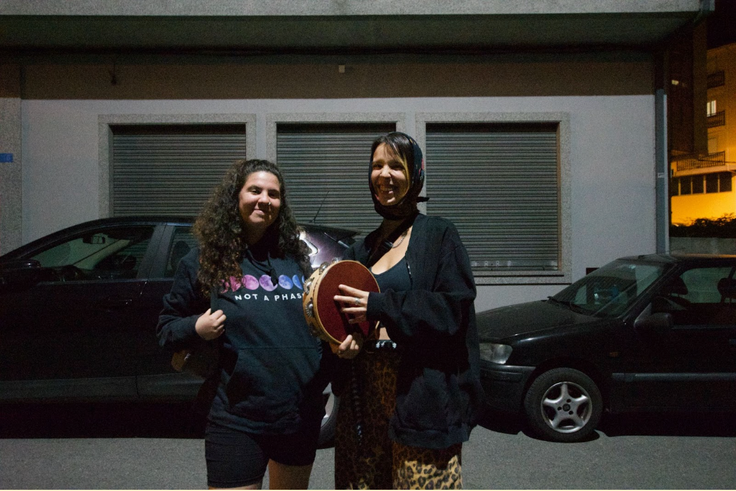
[702, 245]
[339, 7]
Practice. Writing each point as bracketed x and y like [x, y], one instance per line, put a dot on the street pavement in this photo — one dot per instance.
[108, 450]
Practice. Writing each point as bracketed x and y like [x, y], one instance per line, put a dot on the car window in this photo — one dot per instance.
[699, 296]
[183, 241]
[610, 290]
[321, 246]
[107, 254]
[701, 284]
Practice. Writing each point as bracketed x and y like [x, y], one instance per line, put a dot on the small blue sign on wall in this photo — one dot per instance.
[6, 157]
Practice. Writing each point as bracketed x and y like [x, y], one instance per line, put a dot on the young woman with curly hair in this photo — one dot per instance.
[250, 263]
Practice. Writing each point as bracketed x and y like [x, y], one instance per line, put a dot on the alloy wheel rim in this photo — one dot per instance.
[566, 407]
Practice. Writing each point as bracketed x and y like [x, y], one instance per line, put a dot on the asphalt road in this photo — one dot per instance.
[150, 447]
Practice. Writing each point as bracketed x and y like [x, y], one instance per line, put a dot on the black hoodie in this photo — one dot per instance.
[270, 380]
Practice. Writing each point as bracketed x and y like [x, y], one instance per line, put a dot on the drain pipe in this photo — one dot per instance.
[661, 160]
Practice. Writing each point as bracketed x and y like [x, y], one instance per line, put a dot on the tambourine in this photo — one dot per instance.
[322, 312]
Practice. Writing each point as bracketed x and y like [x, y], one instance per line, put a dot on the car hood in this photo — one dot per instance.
[542, 315]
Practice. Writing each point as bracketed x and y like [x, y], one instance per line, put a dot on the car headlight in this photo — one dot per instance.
[495, 353]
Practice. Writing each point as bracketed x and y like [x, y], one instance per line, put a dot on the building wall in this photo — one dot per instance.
[11, 166]
[608, 100]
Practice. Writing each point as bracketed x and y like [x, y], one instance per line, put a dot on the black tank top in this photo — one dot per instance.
[396, 279]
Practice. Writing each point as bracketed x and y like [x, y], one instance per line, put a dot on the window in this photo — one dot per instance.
[697, 182]
[725, 180]
[326, 168]
[699, 296]
[508, 174]
[610, 290]
[717, 182]
[711, 183]
[182, 242]
[170, 169]
[711, 108]
[109, 254]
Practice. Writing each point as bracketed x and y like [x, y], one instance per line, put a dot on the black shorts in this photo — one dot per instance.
[236, 458]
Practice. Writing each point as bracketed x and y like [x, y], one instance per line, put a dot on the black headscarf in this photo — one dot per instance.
[407, 148]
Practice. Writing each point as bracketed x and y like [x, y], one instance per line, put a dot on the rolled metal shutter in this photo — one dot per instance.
[326, 169]
[170, 169]
[499, 184]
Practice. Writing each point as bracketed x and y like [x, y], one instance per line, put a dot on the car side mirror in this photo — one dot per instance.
[19, 274]
[658, 323]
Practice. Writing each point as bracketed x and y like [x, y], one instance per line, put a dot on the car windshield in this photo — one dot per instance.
[610, 290]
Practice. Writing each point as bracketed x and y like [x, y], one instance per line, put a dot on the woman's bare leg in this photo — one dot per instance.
[257, 485]
[282, 476]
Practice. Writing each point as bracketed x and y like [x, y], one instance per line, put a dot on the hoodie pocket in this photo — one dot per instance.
[268, 383]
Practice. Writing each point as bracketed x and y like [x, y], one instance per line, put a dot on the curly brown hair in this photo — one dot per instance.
[220, 230]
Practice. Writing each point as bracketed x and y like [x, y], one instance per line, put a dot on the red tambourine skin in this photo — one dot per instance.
[327, 313]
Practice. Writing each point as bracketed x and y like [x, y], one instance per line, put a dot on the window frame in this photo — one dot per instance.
[312, 151]
[711, 108]
[273, 120]
[564, 272]
[105, 122]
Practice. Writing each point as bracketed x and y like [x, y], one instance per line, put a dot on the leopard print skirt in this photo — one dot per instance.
[365, 456]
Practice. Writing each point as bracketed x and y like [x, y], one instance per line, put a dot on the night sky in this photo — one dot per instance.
[722, 24]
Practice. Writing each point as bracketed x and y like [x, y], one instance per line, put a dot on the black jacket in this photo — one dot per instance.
[439, 395]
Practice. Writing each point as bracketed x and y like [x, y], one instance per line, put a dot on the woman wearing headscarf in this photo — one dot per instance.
[412, 395]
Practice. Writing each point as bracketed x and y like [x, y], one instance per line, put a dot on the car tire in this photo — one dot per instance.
[563, 405]
[329, 421]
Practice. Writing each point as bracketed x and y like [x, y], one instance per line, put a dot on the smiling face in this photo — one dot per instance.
[259, 203]
[388, 176]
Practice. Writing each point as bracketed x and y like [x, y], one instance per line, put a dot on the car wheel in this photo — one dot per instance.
[563, 405]
[329, 421]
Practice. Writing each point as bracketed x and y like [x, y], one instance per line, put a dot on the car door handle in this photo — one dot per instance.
[112, 303]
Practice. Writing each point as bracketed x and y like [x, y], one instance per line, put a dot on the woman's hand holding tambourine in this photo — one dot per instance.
[355, 303]
[349, 348]
[335, 300]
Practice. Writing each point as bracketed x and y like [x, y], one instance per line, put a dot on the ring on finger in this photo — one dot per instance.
[356, 301]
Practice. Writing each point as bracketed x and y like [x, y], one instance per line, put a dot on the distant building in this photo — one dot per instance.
[702, 184]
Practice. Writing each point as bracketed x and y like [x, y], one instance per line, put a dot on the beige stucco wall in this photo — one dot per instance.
[11, 185]
[287, 77]
[607, 100]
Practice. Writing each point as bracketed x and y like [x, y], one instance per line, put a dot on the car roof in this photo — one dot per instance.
[673, 258]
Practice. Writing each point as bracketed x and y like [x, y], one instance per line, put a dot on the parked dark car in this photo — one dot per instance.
[647, 333]
[78, 311]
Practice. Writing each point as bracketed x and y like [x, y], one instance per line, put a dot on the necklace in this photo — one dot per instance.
[401, 239]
